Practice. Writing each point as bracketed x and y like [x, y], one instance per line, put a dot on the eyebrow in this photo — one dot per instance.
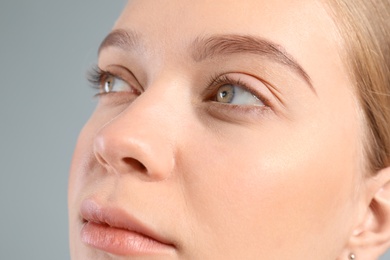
[123, 39]
[219, 45]
[203, 48]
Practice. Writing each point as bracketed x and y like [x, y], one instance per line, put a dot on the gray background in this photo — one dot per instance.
[45, 48]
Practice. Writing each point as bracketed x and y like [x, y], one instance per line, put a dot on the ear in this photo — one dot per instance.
[371, 237]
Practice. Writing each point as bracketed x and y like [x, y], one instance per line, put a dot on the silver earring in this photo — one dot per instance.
[352, 256]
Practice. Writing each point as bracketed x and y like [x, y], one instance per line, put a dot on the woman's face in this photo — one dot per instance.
[224, 130]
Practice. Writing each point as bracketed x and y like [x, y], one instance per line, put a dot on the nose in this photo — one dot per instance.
[139, 140]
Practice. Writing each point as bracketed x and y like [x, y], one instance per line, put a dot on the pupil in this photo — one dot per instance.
[224, 94]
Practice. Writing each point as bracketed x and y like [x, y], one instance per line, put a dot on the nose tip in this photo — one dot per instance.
[125, 149]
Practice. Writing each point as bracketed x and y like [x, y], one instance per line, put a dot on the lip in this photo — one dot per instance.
[114, 231]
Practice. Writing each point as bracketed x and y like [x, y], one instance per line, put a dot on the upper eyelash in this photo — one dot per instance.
[96, 76]
[219, 80]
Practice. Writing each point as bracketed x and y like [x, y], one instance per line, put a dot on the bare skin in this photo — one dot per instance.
[274, 173]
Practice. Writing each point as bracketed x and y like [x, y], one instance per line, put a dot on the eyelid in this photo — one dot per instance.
[235, 78]
[96, 76]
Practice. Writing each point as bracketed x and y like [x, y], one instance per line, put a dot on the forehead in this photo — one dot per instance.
[298, 18]
[303, 28]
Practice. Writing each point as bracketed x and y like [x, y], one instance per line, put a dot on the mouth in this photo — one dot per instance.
[114, 231]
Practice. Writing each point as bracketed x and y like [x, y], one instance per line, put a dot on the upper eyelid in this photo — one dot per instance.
[273, 90]
[96, 76]
[220, 80]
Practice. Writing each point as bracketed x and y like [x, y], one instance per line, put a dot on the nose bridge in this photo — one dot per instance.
[141, 138]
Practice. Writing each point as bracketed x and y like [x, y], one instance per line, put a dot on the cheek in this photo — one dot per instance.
[74, 187]
[83, 173]
[81, 163]
[280, 188]
[83, 168]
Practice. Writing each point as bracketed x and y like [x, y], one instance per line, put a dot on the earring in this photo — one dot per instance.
[352, 256]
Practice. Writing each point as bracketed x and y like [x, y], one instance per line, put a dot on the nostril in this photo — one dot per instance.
[135, 164]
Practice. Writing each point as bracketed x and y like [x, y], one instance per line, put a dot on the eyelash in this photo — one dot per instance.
[96, 77]
[219, 80]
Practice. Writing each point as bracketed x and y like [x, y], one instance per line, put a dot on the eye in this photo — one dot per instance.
[110, 83]
[107, 82]
[236, 95]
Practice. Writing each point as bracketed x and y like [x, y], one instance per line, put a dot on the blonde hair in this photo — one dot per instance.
[364, 26]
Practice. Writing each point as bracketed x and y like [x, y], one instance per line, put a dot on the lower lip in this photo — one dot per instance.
[120, 241]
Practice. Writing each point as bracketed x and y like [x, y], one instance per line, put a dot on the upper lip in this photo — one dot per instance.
[115, 217]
